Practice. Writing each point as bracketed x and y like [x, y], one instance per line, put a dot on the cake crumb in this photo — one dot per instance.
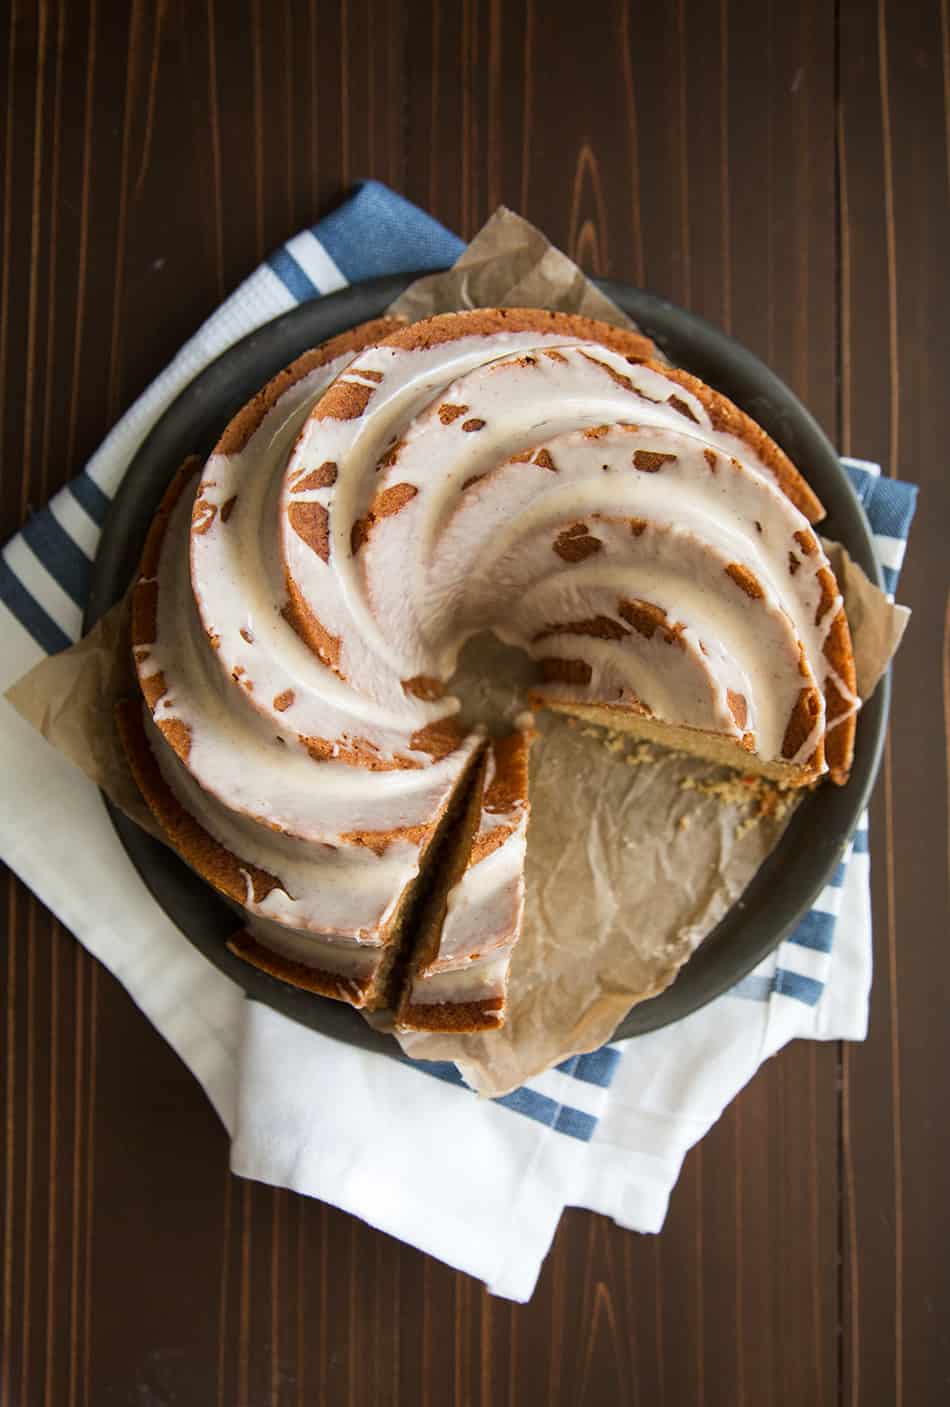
[633, 752]
[760, 798]
[764, 798]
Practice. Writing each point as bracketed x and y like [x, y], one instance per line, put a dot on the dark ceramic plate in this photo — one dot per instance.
[786, 885]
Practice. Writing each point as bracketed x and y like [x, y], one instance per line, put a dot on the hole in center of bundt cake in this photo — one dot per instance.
[491, 682]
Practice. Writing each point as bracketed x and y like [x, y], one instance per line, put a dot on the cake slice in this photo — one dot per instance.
[457, 974]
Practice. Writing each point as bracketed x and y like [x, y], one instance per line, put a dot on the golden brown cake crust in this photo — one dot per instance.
[487, 322]
[507, 790]
[461, 1019]
[222, 870]
[145, 602]
[839, 738]
[509, 785]
[729, 418]
[242, 427]
[344, 400]
[499, 790]
[325, 984]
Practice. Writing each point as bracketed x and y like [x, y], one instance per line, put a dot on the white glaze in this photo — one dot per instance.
[344, 890]
[455, 560]
[343, 958]
[484, 913]
[253, 762]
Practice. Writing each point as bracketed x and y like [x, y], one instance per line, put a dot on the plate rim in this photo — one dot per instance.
[709, 348]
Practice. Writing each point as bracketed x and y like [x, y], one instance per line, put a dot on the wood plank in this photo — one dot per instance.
[895, 356]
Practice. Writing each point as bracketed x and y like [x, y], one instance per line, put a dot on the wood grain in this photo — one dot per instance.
[894, 125]
[784, 170]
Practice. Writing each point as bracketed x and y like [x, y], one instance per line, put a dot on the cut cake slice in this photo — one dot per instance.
[457, 974]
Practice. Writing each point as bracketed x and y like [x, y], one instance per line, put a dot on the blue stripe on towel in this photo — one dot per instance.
[543, 1110]
[816, 931]
[378, 232]
[891, 507]
[754, 988]
[298, 284]
[30, 613]
[89, 496]
[797, 986]
[575, 1123]
[439, 1069]
[561, 1117]
[596, 1068]
[66, 563]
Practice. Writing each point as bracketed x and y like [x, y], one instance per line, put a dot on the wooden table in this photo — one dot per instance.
[781, 168]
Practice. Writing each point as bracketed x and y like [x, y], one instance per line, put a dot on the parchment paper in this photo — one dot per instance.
[509, 264]
[634, 853]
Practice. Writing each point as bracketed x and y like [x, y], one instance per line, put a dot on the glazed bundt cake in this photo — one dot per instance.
[304, 596]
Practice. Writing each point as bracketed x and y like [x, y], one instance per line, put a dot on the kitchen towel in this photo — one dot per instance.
[405, 1145]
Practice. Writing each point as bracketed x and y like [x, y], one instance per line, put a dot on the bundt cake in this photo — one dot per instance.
[305, 593]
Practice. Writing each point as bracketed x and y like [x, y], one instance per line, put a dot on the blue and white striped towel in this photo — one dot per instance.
[480, 1184]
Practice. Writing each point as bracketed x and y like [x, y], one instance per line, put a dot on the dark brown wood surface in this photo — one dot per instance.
[783, 169]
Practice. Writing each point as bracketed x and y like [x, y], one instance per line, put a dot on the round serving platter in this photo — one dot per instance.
[785, 886]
